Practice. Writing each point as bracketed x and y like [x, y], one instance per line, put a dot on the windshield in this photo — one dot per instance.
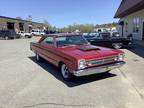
[70, 41]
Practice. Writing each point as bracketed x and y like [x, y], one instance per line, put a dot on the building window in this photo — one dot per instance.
[10, 26]
[136, 25]
[126, 27]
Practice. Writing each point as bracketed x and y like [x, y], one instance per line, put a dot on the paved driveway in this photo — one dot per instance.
[24, 83]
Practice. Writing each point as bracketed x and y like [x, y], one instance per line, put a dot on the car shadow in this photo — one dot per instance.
[138, 50]
[76, 81]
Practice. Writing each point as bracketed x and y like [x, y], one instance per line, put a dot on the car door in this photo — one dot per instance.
[97, 40]
[107, 42]
[48, 49]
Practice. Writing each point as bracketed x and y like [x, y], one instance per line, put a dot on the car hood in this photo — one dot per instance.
[89, 51]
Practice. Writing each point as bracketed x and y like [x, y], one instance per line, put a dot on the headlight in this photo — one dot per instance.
[120, 57]
[81, 64]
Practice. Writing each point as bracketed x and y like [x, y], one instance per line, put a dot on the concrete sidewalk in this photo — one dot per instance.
[139, 42]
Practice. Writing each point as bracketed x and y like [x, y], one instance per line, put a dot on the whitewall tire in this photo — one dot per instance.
[117, 45]
[38, 58]
[65, 72]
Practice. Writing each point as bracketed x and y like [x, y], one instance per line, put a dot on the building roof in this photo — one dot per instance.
[128, 7]
[18, 19]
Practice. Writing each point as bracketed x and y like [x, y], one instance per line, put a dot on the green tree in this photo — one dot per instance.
[86, 27]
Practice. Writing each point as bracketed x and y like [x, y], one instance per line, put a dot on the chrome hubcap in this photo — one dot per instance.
[64, 71]
[117, 45]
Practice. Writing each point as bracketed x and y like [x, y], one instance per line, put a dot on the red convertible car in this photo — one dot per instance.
[75, 56]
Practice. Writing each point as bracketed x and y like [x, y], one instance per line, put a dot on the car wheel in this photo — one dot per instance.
[26, 36]
[65, 72]
[38, 58]
[117, 45]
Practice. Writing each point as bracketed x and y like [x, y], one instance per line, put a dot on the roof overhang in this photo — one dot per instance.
[128, 7]
[121, 23]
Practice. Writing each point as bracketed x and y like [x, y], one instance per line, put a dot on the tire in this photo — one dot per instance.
[38, 58]
[26, 36]
[117, 45]
[65, 73]
[32, 34]
[12, 38]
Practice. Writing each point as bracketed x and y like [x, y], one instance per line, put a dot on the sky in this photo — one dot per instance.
[62, 13]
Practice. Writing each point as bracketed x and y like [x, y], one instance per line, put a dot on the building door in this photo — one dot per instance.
[21, 26]
[10, 26]
[143, 32]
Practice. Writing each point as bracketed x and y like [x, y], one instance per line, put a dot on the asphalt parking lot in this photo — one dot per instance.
[24, 83]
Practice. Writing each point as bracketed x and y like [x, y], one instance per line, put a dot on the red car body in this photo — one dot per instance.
[94, 58]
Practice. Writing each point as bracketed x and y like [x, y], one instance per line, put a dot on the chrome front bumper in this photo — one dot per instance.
[97, 70]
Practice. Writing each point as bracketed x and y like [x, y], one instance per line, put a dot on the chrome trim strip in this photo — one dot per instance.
[97, 70]
[101, 61]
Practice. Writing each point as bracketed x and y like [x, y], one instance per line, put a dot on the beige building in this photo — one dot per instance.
[131, 14]
[7, 23]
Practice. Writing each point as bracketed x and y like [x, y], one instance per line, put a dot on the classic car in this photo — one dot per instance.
[74, 56]
[105, 39]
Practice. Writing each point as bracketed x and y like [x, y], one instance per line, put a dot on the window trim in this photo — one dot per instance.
[136, 25]
[126, 26]
[47, 43]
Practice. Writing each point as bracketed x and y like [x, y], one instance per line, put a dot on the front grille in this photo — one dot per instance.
[101, 61]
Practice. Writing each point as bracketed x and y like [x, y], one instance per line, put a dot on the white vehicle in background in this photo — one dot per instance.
[28, 35]
[42, 33]
[21, 33]
[37, 32]
[24, 34]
